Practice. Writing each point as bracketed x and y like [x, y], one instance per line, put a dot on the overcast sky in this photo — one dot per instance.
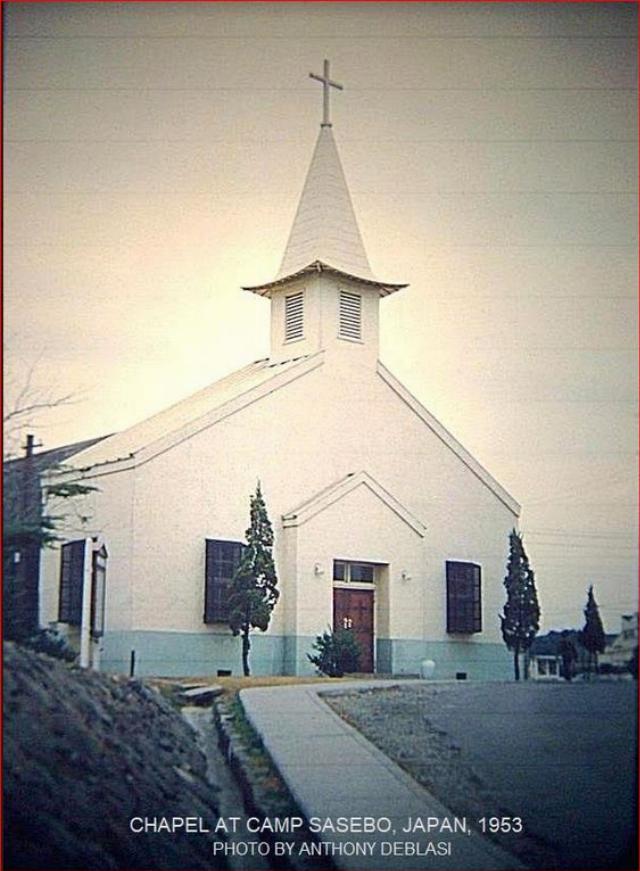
[154, 157]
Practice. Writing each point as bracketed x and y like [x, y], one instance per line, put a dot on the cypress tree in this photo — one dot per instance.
[520, 619]
[592, 636]
[254, 593]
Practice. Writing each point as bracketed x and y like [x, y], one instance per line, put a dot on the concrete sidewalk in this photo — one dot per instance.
[333, 772]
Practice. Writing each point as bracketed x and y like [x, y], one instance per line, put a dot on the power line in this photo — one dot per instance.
[573, 534]
[300, 139]
[128, 192]
[250, 89]
[561, 546]
[306, 36]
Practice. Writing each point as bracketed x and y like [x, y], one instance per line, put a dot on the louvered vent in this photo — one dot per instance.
[293, 317]
[350, 315]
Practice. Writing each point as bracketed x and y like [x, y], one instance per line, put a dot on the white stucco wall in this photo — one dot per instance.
[360, 527]
[339, 418]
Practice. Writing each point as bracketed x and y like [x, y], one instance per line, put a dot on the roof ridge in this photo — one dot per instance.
[134, 440]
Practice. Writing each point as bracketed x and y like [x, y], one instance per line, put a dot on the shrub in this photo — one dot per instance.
[337, 652]
[50, 642]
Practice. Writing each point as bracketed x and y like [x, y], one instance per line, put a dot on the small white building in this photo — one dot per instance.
[382, 520]
[619, 651]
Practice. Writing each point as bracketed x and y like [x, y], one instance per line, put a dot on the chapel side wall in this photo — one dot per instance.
[108, 512]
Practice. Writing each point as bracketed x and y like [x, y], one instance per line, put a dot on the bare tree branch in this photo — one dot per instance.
[37, 406]
[25, 403]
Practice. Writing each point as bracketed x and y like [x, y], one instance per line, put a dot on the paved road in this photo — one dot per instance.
[563, 757]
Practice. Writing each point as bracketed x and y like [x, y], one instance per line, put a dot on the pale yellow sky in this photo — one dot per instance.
[154, 157]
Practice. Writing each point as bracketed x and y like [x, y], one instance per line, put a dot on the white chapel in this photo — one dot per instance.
[383, 522]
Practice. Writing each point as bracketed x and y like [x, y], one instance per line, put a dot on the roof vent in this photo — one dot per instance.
[350, 315]
[293, 317]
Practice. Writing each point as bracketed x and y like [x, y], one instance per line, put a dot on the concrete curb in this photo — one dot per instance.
[255, 801]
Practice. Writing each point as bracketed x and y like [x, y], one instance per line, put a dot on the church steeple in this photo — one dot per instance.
[325, 233]
[325, 229]
[325, 295]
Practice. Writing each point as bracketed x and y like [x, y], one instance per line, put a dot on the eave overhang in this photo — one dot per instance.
[385, 288]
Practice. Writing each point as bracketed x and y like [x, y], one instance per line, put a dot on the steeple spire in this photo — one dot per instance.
[325, 228]
[325, 233]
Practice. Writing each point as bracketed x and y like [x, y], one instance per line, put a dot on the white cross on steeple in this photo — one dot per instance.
[326, 84]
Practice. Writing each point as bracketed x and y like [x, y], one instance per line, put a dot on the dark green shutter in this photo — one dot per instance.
[222, 560]
[464, 598]
[71, 582]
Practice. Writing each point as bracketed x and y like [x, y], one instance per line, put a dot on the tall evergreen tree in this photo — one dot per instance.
[520, 619]
[592, 636]
[253, 592]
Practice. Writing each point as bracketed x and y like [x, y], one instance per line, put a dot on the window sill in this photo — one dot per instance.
[350, 339]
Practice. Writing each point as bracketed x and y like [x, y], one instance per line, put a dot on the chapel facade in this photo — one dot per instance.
[383, 522]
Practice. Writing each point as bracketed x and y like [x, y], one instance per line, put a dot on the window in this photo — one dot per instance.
[71, 582]
[361, 573]
[293, 317]
[350, 315]
[222, 560]
[464, 613]
[98, 591]
[72, 585]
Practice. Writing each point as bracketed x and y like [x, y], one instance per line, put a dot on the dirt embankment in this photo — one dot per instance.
[83, 754]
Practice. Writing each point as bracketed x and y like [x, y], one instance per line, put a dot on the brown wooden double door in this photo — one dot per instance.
[353, 609]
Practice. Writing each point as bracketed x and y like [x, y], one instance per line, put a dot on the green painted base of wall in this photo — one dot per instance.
[184, 654]
[478, 660]
[296, 648]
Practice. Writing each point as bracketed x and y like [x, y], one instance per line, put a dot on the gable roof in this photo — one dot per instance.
[449, 440]
[180, 421]
[549, 644]
[42, 461]
[325, 233]
[150, 437]
[323, 499]
[22, 476]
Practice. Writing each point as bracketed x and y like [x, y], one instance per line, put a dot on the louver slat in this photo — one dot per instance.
[293, 317]
[350, 315]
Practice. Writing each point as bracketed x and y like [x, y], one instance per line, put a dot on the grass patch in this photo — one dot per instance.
[268, 786]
